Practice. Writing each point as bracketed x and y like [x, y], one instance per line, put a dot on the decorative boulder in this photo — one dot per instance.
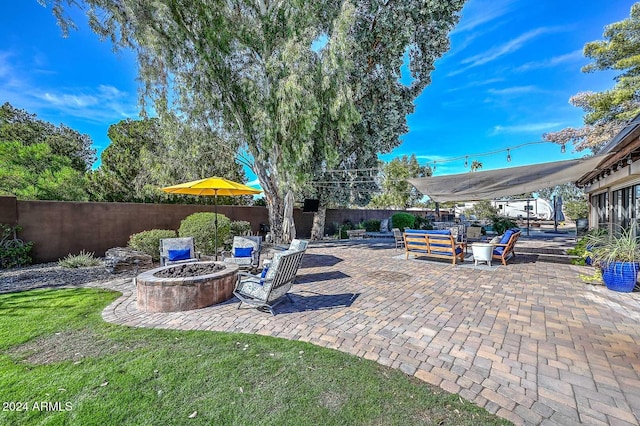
[384, 225]
[120, 259]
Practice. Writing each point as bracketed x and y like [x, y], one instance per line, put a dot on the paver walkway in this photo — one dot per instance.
[528, 341]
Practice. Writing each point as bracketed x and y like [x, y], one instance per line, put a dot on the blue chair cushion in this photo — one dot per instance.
[263, 275]
[498, 251]
[242, 251]
[506, 237]
[182, 254]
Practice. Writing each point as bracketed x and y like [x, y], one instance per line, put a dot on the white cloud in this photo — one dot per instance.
[255, 182]
[104, 103]
[574, 56]
[477, 83]
[504, 49]
[477, 13]
[525, 128]
[516, 90]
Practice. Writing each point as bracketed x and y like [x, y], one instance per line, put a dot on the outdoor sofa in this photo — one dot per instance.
[433, 243]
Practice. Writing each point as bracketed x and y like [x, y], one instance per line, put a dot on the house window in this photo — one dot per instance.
[600, 203]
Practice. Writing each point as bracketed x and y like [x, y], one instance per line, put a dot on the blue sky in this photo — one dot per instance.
[512, 67]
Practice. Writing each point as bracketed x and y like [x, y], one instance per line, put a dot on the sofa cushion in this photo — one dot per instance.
[438, 232]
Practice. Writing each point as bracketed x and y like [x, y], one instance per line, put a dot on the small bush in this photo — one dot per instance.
[502, 223]
[576, 209]
[403, 221]
[342, 230]
[13, 251]
[149, 241]
[240, 227]
[81, 260]
[422, 223]
[371, 225]
[201, 226]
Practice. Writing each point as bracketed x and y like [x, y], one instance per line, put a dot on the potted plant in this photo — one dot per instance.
[618, 255]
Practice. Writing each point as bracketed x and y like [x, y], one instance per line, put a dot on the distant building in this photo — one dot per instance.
[613, 186]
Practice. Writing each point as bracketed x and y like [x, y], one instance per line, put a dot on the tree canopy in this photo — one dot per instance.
[258, 71]
[145, 155]
[397, 192]
[34, 172]
[20, 126]
[608, 111]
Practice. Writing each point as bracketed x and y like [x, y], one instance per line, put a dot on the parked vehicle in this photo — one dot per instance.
[534, 208]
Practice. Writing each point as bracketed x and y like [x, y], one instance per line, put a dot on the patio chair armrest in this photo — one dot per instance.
[499, 245]
[247, 274]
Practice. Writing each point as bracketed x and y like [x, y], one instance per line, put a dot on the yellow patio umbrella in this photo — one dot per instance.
[212, 186]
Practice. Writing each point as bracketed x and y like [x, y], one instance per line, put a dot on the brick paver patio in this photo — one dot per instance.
[528, 341]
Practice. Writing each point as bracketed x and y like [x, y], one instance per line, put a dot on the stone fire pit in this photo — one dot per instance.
[170, 294]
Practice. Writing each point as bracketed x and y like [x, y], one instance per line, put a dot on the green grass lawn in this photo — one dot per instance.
[60, 363]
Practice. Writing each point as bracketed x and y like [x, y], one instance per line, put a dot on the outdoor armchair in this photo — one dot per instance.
[504, 249]
[177, 250]
[245, 252]
[269, 289]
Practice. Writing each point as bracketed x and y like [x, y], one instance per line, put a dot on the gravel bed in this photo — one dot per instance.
[48, 275]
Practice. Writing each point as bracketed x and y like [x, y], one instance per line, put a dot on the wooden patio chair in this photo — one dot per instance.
[504, 250]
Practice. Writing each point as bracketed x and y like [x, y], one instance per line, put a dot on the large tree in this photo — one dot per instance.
[608, 111]
[255, 69]
[396, 191]
[34, 172]
[20, 126]
[147, 154]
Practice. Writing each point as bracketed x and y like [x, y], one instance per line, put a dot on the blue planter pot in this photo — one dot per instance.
[620, 276]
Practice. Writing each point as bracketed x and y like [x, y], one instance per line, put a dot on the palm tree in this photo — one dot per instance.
[475, 165]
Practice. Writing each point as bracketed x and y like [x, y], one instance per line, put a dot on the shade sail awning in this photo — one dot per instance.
[474, 186]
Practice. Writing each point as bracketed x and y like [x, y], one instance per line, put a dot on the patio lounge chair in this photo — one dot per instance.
[245, 252]
[270, 290]
[177, 250]
[504, 249]
[398, 237]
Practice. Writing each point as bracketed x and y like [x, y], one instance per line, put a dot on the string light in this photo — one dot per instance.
[466, 162]
[434, 166]
[508, 155]
[563, 148]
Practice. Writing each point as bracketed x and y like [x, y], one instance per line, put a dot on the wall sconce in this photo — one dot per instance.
[629, 161]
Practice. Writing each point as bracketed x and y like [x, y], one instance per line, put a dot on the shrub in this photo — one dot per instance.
[240, 227]
[201, 226]
[149, 241]
[342, 230]
[422, 223]
[576, 209]
[13, 251]
[502, 223]
[81, 260]
[403, 221]
[371, 225]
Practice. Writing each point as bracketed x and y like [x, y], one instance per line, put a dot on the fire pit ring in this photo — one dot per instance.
[157, 294]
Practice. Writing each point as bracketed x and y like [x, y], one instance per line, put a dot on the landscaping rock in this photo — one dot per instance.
[119, 259]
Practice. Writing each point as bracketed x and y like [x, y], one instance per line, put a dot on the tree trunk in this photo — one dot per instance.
[317, 231]
[275, 203]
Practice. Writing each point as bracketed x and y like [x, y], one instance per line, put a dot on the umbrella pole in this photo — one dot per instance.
[215, 208]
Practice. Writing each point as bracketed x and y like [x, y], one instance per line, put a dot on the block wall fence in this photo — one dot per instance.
[58, 228]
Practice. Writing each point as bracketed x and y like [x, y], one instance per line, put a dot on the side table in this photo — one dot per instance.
[482, 253]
